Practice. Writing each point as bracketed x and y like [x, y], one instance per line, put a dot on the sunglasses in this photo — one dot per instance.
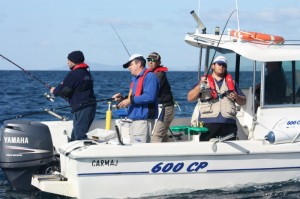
[222, 64]
[149, 59]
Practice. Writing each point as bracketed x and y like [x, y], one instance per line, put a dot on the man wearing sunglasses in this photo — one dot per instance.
[218, 95]
[165, 99]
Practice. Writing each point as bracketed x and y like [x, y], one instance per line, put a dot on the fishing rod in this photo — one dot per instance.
[46, 95]
[50, 111]
[120, 38]
[27, 72]
[219, 43]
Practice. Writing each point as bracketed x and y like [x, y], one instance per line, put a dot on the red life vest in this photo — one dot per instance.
[161, 69]
[139, 86]
[82, 65]
[212, 85]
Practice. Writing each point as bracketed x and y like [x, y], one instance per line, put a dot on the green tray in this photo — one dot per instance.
[196, 130]
[179, 128]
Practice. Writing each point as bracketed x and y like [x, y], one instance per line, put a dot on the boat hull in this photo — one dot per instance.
[115, 171]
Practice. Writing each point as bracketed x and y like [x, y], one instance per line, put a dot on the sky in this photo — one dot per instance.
[39, 34]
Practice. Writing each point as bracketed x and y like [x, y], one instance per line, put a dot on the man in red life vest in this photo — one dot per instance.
[142, 101]
[218, 95]
[165, 99]
[77, 88]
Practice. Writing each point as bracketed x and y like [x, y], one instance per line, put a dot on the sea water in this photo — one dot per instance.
[21, 95]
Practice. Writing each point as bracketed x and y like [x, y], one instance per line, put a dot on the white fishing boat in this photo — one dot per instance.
[108, 166]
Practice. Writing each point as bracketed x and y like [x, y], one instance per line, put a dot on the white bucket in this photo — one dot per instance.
[124, 126]
[101, 134]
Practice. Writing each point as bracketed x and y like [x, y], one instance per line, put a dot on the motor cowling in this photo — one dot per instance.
[25, 147]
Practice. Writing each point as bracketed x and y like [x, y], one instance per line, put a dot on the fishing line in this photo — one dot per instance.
[219, 42]
[120, 39]
[27, 72]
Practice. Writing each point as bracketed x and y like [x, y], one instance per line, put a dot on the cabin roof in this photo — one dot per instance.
[252, 51]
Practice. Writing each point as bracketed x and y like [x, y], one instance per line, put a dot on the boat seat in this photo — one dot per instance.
[195, 132]
[178, 131]
[192, 132]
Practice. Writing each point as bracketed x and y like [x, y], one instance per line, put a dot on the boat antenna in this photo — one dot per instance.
[237, 14]
[27, 72]
[219, 43]
[198, 7]
[120, 39]
[238, 18]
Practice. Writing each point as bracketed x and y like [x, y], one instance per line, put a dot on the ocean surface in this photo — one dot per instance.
[23, 96]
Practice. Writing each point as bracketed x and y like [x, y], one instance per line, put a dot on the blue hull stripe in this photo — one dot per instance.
[114, 173]
[208, 171]
[253, 169]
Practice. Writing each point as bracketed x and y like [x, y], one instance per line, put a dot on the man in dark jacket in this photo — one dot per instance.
[165, 99]
[77, 88]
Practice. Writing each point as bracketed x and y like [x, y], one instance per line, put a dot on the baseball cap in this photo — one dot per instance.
[155, 56]
[132, 57]
[220, 60]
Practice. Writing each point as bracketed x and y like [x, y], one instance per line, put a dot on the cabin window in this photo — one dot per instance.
[282, 83]
[297, 82]
[275, 83]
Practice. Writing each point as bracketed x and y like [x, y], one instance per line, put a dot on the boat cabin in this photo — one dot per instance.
[273, 97]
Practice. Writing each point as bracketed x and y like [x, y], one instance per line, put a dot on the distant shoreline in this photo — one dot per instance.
[96, 70]
[111, 70]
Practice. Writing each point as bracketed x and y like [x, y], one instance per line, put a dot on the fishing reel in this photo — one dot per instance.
[49, 97]
[204, 86]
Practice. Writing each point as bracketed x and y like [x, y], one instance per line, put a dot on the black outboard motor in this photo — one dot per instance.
[25, 148]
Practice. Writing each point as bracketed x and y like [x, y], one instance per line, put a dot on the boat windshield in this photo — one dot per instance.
[239, 67]
[282, 83]
[281, 79]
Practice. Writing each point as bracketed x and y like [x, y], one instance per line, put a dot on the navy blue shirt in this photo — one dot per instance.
[145, 106]
[77, 87]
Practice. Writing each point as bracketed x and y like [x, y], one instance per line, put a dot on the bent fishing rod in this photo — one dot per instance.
[46, 95]
[206, 76]
[27, 72]
[120, 38]
[200, 24]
